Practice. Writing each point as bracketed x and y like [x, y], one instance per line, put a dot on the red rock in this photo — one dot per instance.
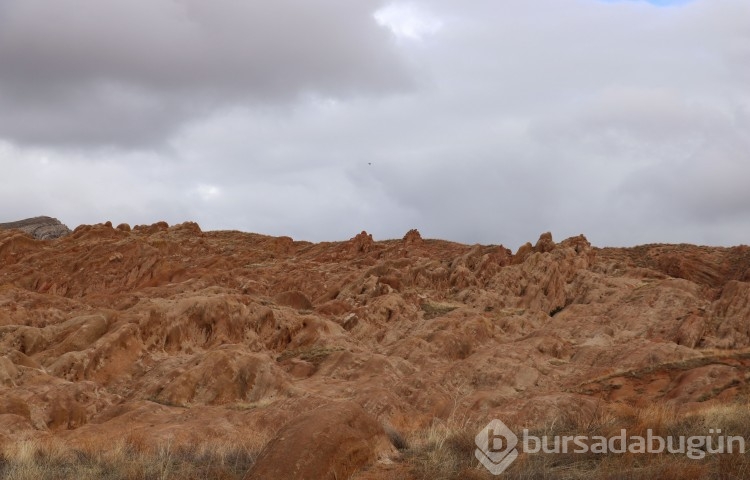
[329, 443]
[361, 243]
[523, 253]
[545, 243]
[295, 300]
[412, 237]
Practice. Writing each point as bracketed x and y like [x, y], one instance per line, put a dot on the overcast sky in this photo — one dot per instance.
[475, 121]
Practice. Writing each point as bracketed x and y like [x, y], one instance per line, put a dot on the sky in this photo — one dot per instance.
[476, 121]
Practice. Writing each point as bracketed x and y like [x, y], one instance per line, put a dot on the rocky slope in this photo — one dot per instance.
[160, 333]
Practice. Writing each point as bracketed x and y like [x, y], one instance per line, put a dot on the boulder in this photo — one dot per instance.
[331, 442]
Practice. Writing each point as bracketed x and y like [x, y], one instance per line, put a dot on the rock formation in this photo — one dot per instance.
[41, 228]
[175, 334]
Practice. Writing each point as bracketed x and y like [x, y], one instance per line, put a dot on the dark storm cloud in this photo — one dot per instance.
[131, 72]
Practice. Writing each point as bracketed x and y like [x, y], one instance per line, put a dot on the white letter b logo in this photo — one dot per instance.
[496, 447]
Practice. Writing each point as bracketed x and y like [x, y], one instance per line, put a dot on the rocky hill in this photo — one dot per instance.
[337, 351]
[42, 228]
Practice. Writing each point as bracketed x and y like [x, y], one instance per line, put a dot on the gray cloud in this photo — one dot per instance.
[496, 122]
[131, 73]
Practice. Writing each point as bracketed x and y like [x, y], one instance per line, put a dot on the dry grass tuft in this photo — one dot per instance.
[445, 450]
[125, 460]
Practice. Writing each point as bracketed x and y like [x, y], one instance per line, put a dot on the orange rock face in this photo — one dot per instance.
[172, 333]
[328, 443]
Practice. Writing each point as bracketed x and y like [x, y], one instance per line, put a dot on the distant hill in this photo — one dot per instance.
[42, 228]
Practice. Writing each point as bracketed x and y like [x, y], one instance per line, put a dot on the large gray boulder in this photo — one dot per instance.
[41, 228]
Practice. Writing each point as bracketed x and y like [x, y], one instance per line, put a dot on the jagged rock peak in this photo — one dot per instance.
[412, 237]
[362, 242]
[41, 228]
[580, 243]
[545, 243]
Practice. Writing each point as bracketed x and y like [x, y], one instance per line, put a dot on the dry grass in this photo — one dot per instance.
[442, 451]
[125, 460]
[446, 450]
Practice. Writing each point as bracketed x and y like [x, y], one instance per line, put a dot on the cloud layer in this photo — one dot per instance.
[131, 73]
[474, 121]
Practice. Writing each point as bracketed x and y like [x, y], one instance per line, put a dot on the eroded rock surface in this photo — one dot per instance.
[171, 333]
[331, 442]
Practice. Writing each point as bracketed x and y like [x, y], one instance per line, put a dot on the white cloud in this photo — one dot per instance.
[408, 20]
[207, 192]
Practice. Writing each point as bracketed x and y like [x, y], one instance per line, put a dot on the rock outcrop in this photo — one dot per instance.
[328, 443]
[41, 228]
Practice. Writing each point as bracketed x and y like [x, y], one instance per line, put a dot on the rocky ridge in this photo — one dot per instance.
[41, 228]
